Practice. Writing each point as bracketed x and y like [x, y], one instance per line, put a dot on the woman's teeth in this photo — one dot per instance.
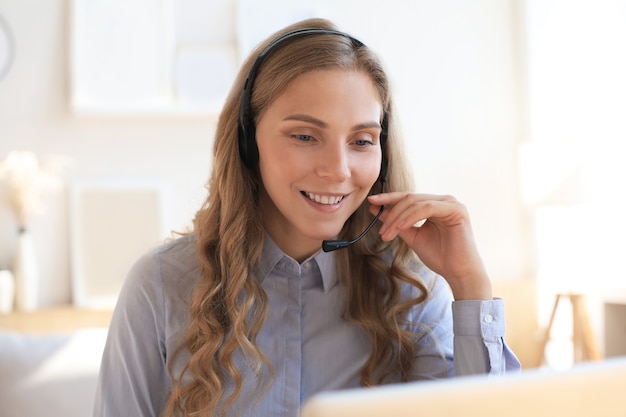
[324, 199]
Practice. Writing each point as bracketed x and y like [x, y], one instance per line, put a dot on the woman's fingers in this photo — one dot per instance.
[405, 210]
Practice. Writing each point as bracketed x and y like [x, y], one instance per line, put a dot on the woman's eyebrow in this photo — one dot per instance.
[313, 120]
[307, 118]
[369, 125]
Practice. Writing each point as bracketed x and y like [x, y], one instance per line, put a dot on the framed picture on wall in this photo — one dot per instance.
[152, 56]
[120, 55]
[111, 225]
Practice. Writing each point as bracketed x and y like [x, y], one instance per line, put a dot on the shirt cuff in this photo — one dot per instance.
[479, 318]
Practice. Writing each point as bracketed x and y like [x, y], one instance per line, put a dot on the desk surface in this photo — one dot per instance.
[55, 320]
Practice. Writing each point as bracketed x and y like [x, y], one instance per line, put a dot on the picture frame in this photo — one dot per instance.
[111, 225]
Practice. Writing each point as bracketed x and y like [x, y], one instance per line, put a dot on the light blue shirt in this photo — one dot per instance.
[311, 347]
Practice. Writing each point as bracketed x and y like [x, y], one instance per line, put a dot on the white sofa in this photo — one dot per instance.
[49, 375]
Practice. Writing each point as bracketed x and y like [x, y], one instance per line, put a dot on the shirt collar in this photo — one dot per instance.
[327, 263]
[271, 254]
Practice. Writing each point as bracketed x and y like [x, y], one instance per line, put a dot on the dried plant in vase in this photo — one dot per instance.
[27, 181]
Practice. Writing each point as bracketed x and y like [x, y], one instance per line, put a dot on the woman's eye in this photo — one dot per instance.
[303, 138]
[363, 142]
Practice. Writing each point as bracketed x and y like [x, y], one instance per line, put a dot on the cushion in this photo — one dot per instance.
[49, 375]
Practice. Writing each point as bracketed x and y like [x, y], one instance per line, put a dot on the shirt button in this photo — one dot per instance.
[488, 318]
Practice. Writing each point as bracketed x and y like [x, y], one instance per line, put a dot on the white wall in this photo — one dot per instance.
[455, 69]
[577, 102]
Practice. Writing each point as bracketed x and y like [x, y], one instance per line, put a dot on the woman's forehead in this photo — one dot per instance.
[330, 90]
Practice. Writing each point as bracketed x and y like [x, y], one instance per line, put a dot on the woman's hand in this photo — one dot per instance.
[444, 242]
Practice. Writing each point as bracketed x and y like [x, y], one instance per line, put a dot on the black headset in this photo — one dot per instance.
[248, 149]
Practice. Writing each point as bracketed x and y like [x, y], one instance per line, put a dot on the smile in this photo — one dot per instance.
[323, 199]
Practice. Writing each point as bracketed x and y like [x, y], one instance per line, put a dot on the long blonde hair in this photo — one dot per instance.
[228, 307]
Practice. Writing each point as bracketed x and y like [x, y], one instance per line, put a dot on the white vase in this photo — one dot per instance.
[26, 273]
[7, 291]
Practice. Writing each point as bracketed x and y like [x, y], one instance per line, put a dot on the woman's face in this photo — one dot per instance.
[319, 155]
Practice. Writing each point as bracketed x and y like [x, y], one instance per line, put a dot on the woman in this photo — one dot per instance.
[246, 315]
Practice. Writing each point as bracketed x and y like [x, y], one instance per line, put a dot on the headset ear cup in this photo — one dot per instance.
[384, 129]
[252, 150]
[243, 143]
[382, 177]
[248, 151]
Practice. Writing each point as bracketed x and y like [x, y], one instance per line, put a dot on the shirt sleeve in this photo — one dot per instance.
[133, 379]
[458, 338]
[479, 346]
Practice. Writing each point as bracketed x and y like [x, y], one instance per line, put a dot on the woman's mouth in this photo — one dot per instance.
[323, 199]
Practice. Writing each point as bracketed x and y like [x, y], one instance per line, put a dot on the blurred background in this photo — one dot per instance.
[516, 107]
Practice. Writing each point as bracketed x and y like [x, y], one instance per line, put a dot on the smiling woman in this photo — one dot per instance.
[247, 315]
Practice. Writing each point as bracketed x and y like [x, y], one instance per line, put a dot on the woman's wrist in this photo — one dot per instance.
[477, 288]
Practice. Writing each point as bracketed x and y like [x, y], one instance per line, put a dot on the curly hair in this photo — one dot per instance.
[228, 307]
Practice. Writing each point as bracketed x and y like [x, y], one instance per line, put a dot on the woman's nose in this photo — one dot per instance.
[334, 164]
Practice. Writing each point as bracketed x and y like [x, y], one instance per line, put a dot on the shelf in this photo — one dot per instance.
[62, 319]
